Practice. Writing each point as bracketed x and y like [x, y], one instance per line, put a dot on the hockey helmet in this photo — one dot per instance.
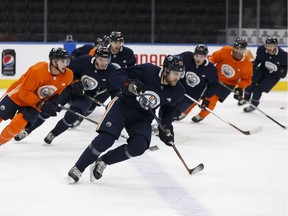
[271, 40]
[58, 53]
[103, 52]
[240, 43]
[201, 49]
[174, 62]
[116, 36]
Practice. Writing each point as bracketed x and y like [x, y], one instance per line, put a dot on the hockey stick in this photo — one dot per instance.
[95, 100]
[151, 148]
[255, 130]
[194, 170]
[255, 107]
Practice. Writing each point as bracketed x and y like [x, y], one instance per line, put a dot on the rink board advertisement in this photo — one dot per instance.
[30, 53]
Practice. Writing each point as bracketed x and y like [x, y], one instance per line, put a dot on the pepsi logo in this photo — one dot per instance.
[8, 60]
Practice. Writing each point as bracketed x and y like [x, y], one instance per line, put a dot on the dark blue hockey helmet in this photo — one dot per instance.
[201, 49]
[174, 62]
[58, 53]
[103, 52]
[240, 43]
[271, 40]
[116, 36]
[98, 41]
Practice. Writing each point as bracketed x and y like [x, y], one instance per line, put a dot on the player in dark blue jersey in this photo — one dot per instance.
[200, 80]
[144, 88]
[91, 76]
[270, 66]
[122, 56]
[85, 49]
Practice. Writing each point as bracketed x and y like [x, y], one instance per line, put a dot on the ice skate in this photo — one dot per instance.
[73, 175]
[21, 135]
[49, 138]
[96, 170]
[242, 102]
[197, 118]
[249, 109]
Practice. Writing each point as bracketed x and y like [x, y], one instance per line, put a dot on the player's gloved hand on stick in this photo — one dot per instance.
[46, 107]
[133, 87]
[55, 101]
[282, 72]
[238, 93]
[167, 136]
[77, 88]
[205, 103]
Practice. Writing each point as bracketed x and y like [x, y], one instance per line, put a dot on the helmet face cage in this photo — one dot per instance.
[58, 53]
[271, 40]
[175, 63]
[240, 43]
[116, 36]
[201, 49]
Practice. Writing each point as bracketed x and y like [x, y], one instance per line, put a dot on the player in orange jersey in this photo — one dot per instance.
[35, 92]
[234, 70]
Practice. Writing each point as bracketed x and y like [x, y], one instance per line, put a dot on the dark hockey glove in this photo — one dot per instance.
[46, 108]
[77, 88]
[55, 100]
[133, 87]
[167, 136]
[205, 103]
[238, 94]
[282, 73]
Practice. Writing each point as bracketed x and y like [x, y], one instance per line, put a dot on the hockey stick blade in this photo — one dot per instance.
[253, 131]
[196, 169]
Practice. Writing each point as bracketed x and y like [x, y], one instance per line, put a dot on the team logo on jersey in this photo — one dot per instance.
[227, 71]
[116, 65]
[46, 91]
[8, 60]
[270, 66]
[148, 99]
[192, 79]
[89, 83]
[2, 107]
[108, 124]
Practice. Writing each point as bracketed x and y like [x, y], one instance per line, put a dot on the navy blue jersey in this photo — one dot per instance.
[271, 64]
[92, 79]
[156, 94]
[83, 50]
[125, 58]
[199, 80]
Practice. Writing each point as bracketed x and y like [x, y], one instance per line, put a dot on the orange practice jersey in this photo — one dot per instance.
[231, 71]
[38, 83]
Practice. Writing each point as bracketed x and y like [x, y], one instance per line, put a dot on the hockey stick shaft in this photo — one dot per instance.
[151, 148]
[255, 107]
[227, 122]
[190, 171]
[96, 101]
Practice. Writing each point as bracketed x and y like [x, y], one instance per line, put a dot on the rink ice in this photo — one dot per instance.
[243, 175]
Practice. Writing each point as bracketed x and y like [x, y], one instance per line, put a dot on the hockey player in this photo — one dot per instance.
[234, 70]
[122, 56]
[270, 66]
[91, 75]
[145, 87]
[36, 91]
[200, 81]
[87, 49]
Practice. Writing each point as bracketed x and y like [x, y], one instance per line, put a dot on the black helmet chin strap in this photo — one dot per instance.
[57, 68]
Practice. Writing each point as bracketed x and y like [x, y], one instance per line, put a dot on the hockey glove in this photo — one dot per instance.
[77, 88]
[46, 108]
[282, 73]
[133, 87]
[238, 94]
[167, 136]
[205, 103]
[55, 100]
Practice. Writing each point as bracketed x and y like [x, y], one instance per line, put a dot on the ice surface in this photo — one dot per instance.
[243, 175]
